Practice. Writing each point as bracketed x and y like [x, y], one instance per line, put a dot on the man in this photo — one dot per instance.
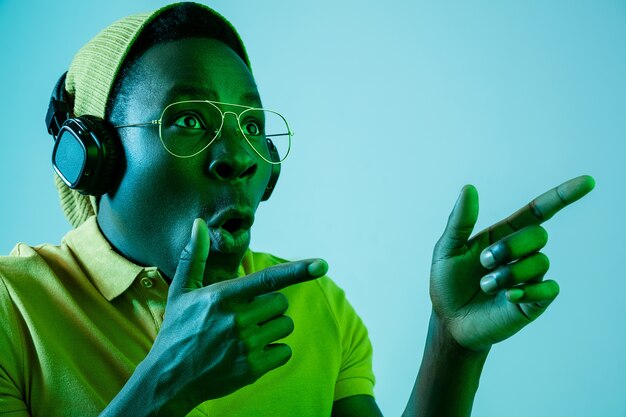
[132, 316]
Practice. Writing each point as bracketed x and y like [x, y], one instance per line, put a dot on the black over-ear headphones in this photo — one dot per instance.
[86, 149]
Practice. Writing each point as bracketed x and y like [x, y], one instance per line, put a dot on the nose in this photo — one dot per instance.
[230, 160]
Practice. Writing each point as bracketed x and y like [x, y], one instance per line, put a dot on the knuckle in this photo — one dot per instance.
[243, 346]
[454, 241]
[501, 252]
[268, 280]
[215, 297]
[555, 287]
[532, 228]
[463, 230]
[293, 270]
[187, 253]
[250, 344]
[290, 271]
[229, 321]
[286, 353]
[255, 368]
[439, 250]
[506, 276]
[437, 246]
[541, 233]
[289, 325]
[543, 261]
[240, 322]
[282, 303]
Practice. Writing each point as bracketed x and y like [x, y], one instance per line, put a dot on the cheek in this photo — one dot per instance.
[150, 174]
[154, 201]
[264, 174]
[143, 150]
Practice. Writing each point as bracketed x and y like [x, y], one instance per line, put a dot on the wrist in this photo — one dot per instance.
[167, 387]
[448, 377]
[441, 339]
[150, 391]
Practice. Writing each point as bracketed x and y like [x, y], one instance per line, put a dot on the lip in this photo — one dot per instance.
[225, 241]
[244, 215]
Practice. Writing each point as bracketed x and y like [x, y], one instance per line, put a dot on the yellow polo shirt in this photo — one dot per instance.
[77, 318]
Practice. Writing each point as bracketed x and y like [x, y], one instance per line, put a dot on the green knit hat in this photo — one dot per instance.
[93, 72]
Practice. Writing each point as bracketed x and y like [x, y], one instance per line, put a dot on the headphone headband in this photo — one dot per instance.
[58, 109]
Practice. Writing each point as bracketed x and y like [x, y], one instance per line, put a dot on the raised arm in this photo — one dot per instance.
[484, 289]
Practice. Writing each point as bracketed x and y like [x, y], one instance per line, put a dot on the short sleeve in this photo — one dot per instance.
[11, 398]
[356, 376]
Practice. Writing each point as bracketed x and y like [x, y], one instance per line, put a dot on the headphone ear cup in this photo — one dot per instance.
[275, 157]
[109, 161]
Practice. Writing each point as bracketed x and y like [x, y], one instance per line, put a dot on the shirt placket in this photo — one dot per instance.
[154, 289]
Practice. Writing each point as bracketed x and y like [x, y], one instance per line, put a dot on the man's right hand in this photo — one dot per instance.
[216, 339]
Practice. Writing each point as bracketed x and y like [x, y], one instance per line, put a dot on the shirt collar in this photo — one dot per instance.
[109, 271]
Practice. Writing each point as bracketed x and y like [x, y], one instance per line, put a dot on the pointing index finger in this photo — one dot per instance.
[543, 207]
[275, 278]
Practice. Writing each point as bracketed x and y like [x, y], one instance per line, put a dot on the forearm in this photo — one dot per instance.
[448, 377]
[148, 393]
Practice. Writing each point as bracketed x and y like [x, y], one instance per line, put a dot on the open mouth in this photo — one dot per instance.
[232, 226]
[230, 229]
[232, 221]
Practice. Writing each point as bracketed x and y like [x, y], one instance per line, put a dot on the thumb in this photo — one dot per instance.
[460, 223]
[190, 269]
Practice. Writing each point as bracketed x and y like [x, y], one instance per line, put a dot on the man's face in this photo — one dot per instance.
[148, 217]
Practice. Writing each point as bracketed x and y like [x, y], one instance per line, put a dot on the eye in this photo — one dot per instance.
[188, 121]
[252, 128]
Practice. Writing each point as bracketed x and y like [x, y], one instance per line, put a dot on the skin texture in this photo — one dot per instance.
[148, 216]
[483, 288]
[214, 339]
[477, 318]
[466, 319]
[230, 324]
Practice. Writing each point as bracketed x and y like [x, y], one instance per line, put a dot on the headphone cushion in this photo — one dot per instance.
[109, 169]
[275, 157]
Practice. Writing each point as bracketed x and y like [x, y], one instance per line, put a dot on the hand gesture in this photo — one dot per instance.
[487, 288]
[219, 338]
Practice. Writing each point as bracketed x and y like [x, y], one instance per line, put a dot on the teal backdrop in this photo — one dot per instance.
[395, 105]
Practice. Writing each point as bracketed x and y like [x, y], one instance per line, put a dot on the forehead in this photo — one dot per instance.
[196, 68]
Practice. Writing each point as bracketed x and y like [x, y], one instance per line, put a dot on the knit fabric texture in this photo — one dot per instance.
[90, 79]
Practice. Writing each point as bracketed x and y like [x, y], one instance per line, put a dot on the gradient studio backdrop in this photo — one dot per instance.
[395, 106]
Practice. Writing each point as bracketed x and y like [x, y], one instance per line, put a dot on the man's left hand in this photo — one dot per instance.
[487, 288]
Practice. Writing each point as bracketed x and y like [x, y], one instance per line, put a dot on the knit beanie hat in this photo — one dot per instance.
[93, 71]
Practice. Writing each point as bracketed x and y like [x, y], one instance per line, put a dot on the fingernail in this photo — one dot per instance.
[318, 268]
[487, 259]
[489, 284]
[194, 228]
[515, 294]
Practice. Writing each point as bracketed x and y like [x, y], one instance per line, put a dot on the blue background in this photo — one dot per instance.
[395, 106]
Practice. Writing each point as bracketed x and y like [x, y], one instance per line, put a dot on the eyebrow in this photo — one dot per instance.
[204, 93]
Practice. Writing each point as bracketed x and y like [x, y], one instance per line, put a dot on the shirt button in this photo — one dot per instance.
[146, 282]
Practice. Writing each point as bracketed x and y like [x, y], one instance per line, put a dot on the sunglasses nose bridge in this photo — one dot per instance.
[224, 113]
